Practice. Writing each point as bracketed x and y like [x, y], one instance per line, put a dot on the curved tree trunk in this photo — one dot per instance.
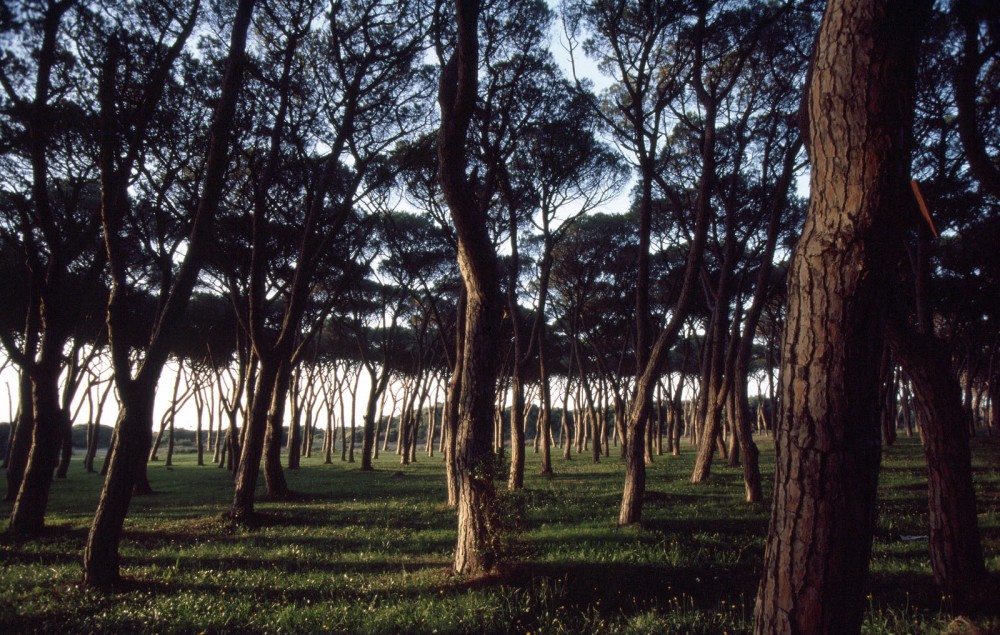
[827, 437]
[476, 549]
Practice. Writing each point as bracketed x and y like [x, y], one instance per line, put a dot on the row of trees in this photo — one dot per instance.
[268, 190]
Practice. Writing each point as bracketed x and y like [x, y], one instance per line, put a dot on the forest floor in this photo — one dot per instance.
[370, 553]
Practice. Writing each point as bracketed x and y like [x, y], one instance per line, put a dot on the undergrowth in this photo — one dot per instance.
[370, 552]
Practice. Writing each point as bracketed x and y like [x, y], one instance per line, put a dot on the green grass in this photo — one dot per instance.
[370, 553]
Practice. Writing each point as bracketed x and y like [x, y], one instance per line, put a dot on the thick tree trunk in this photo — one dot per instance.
[477, 546]
[28, 515]
[133, 437]
[956, 550]
[476, 549]
[827, 438]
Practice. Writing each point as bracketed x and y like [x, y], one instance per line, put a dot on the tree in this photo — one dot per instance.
[137, 392]
[568, 173]
[371, 95]
[57, 227]
[925, 358]
[828, 433]
[476, 550]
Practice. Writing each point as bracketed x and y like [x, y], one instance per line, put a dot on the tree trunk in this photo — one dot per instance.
[827, 437]
[94, 440]
[369, 431]
[132, 439]
[545, 414]
[20, 443]
[294, 426]
[516, 478]
[476, 548]
[275, 484]
[956, 550]
[748, 449]
[248, 470]
[28, 514]
[66, 444]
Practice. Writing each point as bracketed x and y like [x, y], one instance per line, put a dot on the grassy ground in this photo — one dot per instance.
[370, 553]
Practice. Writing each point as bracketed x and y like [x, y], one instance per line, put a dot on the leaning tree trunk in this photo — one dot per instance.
[827, 438]
[132, 439]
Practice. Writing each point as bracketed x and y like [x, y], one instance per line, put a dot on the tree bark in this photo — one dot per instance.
[828, 444]
[956, 550]
[133, 437]
[476, 550]
[275, 484]
[28, 515]
[256, 429]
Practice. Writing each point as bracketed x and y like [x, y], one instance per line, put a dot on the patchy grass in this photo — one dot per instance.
[370, 553]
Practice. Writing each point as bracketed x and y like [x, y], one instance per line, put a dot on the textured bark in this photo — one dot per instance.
[956, 550]
[450, 414]
[827, 439]
[475, 552]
